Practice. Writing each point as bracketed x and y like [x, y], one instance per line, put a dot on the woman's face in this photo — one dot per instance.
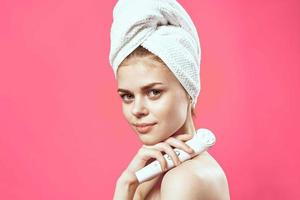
[151, 94]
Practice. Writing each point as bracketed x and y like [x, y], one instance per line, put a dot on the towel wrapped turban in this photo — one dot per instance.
[165, 29]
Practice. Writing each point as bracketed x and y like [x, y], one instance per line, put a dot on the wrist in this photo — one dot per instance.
[127, 178]
[126, 186]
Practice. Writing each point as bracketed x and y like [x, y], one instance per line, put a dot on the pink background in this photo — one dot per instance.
[62, 133]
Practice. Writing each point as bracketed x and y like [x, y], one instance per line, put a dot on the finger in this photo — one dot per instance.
[179, 144]
[147, 153]
[184, 137]
[157, 147]
[163, 146]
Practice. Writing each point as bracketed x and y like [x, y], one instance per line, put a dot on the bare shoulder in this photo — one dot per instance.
[201, 178]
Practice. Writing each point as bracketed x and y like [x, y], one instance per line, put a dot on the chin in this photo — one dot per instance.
[149, 139]
[146, 140]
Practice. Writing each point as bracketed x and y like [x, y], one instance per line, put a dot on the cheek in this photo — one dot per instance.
[171, 114]
[126, 112]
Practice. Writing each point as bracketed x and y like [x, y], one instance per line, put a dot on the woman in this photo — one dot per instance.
[155, 54]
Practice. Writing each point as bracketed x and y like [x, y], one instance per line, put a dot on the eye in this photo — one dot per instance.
[155, 92]
[123, 96]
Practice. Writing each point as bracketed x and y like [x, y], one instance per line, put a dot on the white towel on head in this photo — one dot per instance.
[165, 29]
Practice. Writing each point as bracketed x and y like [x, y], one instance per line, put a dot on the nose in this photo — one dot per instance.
[139, 108]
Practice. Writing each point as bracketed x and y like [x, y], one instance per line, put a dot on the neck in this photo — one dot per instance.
[188, 126]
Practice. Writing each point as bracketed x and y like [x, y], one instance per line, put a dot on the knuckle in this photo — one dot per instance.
[168, 139]
[159, 145]
[178, 136]
[164, 145]
[157, 153]
[141, 150]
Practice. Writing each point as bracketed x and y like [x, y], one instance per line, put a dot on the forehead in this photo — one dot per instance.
[142, 71]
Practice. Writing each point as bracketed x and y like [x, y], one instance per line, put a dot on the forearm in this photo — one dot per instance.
[124, 192]
[125, 187]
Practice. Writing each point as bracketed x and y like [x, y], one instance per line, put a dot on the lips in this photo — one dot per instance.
[144, 124]
[144, 127]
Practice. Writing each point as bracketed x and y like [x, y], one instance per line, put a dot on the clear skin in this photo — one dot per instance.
[158, 104]
[166, 104]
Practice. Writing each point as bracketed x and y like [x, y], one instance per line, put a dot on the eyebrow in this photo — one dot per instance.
[143, 88]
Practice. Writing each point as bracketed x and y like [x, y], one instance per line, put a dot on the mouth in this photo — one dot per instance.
[144, 128]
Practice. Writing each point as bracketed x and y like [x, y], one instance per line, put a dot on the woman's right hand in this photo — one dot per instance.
[149, 153]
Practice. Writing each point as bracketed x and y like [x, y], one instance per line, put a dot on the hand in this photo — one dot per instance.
[148, 153]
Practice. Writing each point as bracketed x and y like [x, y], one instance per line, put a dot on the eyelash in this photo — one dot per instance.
[156, 90]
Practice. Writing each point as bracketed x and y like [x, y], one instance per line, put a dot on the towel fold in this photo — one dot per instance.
[165, 29]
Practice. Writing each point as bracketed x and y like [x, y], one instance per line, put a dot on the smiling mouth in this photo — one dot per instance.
[144, 129]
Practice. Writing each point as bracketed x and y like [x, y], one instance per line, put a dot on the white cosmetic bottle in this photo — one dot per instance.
[201, 141]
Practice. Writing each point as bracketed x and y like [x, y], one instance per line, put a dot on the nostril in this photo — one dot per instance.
[141, 111]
